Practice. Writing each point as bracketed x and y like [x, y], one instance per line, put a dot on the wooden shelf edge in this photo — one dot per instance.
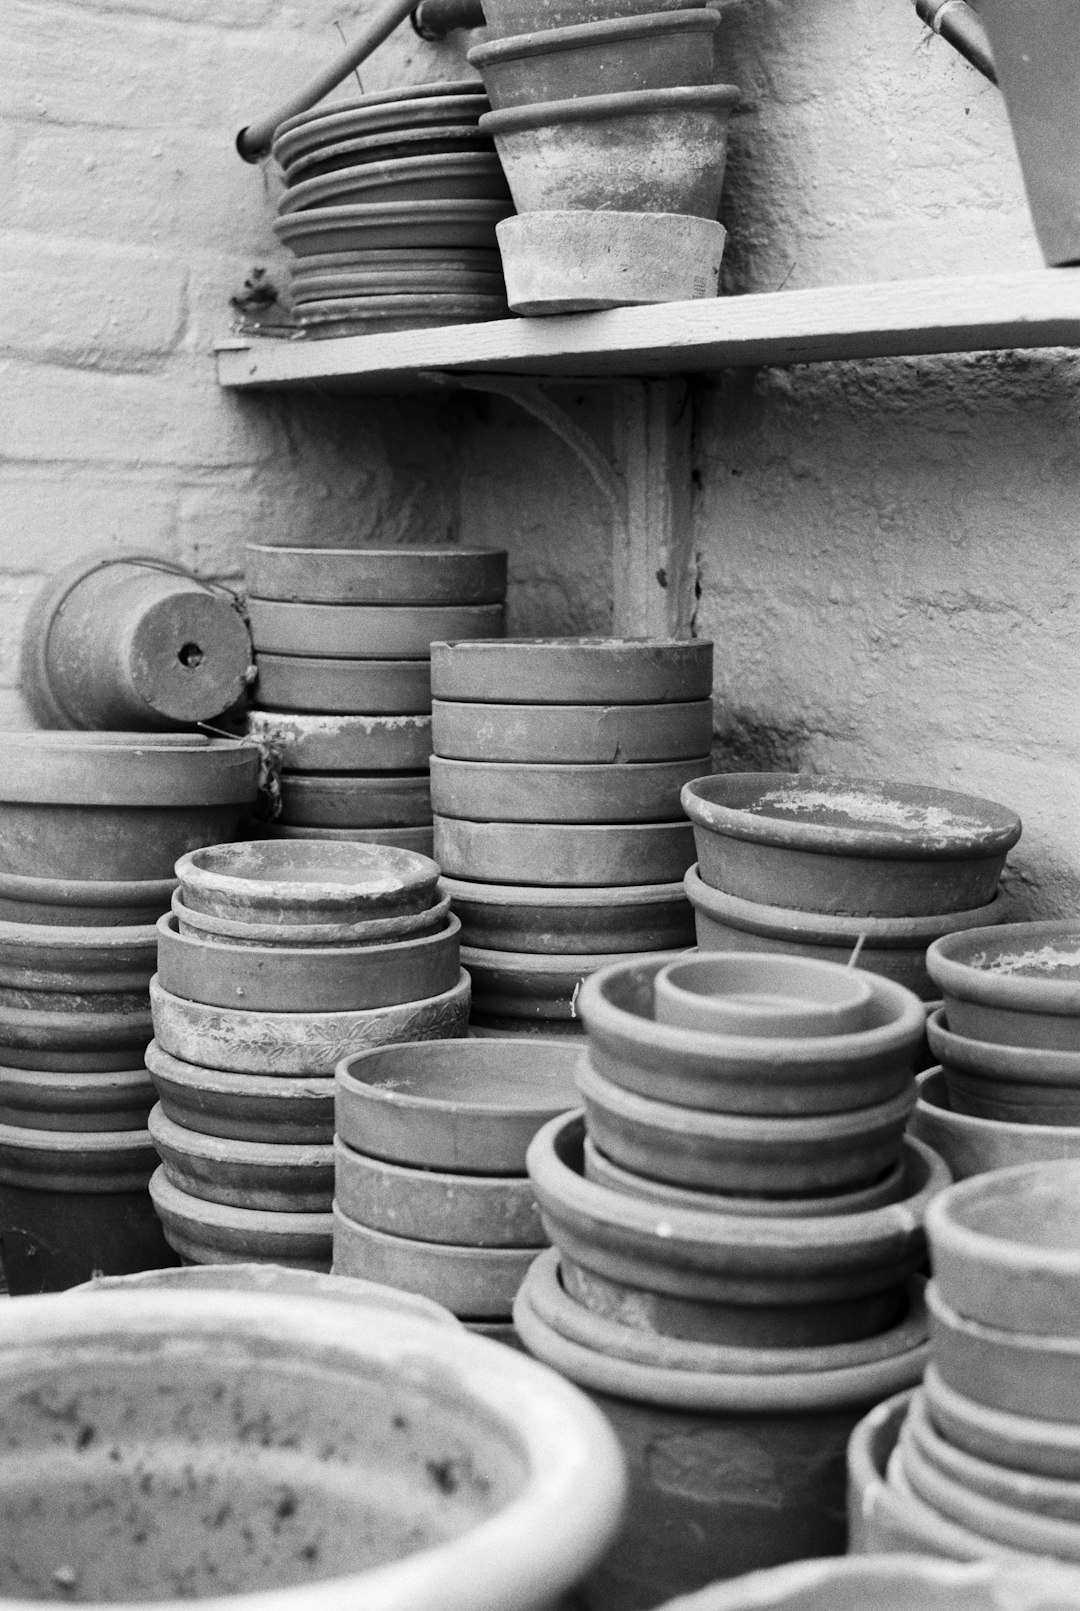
[1034, 308]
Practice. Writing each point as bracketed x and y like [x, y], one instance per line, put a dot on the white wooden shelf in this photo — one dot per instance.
[1037, 308]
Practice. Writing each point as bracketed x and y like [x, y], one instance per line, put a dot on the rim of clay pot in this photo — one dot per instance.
[601, 896]
[400, 142]
[65, 768]
[402, 94]
[48, 949]
[1028, 1065]
[292, 1230]
[572, 36]
[1002, 1437]
[740, 993]
[703, 1390]
[42, 1028]
[934, 1099]
[573, 1491]
[344, 875]
[91, 892]
[1024, 1371]
[295, 1177]
[478, 1283]
[498, 1211]
[318, 935]
[398, 1062]
[723, 803]
[193, 1076]
[790, 923]
[626, 103]
[1006, 1248]
[984, 966]
[653, 1235]
[96, 1161]
[315, 221]
[435, 168]
[571, 670]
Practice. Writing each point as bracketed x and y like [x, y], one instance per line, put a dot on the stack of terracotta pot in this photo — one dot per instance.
[613, 134]
[984, 1460]
[555, 781]
[278, 959]
[1008, 1039]
[390, 207]
[343, 647]
[830, 866]
[737, 1220]
[90, 825]
[431, 1190]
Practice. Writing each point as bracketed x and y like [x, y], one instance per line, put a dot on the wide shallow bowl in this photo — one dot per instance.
[464, 1106]
[203, 1232]
[446, 575]
[1026, 1372]
[582, 262]
[242, 1107]
[656, 50]
[1015, 986]
[745, 1074]
[501, 791]
[291, 1178]
[778, 1281]
[111, 1099]
[1007, 1440]
[529, 984]
[367, 631]
[858, 846]
[514, 917]
[573, 671]
[474, 1283]
[1006, 1249]
[894, 947]
[327, 686]
[83, 903]
[297, 1043]
[1016, 1083]
[368, 931]
[355, 800]
[973, 1146]
[772, 997]
[561, 855]
[341, 743]
[571, 734]
[430, 1206]
[299, 881]
[641, 151]
[744, 1154]
[439, 176]
[375, 1461]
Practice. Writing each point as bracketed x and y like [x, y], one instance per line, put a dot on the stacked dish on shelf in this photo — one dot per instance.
[1008, 1039]
[431, 1189]
[390, 207]
[984, 1459]
[90, 825]
[343, 645]
[737, 1220]
[827, 866]
[613, 134]
[277, 960]
[555, 782]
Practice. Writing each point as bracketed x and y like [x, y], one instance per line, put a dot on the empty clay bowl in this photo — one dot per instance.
[642, 151]
[430, 1205]
[1006, 1249]
[466, 1106]
[308, 882]
[445, 575]
[580, 262]
[574, 671]
[324, 686]
[1018, 1084]
[860, 846]
[1007, 1440]
[1015, 986]
[515, 917]
[745, 1074]
[736, 994]
[974, 1146]
[1026, 1372]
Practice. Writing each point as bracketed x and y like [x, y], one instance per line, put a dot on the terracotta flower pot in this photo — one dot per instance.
[367, 631]
[202, 1232]
[394, 1456]
[306, 882]
[1025, 1372]
[573, 671]
[1010, 1441]
[115, 1099]
[290, 1178]
[496, 791]
[974, 1146]
[744, 1074]
[341, 743]
[427, 1205]
[647, 52]
[529, 984]
[421, 840]
[463, 1106]
[571, 734]
[308, 979]
[1014, 1083]
[514, 917]
[1006, 1250]
[772, 997]
[845, 845]
[323, 686]
[561, 855]
[1015, 986]
[894, 947]
[375, 931]
[83, 903]
[446, 575]
[242, 1107]
[297, 1043]
[656, 150]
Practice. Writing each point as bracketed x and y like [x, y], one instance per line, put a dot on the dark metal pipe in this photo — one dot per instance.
[434, 19]
[957, 23]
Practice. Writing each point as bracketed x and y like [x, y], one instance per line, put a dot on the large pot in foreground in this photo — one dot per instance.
[393, 1464]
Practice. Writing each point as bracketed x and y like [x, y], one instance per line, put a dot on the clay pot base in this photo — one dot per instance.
[514, 917]
[115, 1099]
[563, 855]
[277, 1176]
[488, 1211]
[308, 882]
[216, 1233]
[572, 734]
[473, 1283]
[1017, 987]
[322, 686]
[573, 671]
[367, 631]
[848, 845]
[973, 1146]
[512, 984]
[454, 1105]
[342, 743]
[495, 791]
[584, 262]
[421, 840]
[446, 575]
[76, 1160]
[349, 800]
[372, 931]
[242, 1107]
